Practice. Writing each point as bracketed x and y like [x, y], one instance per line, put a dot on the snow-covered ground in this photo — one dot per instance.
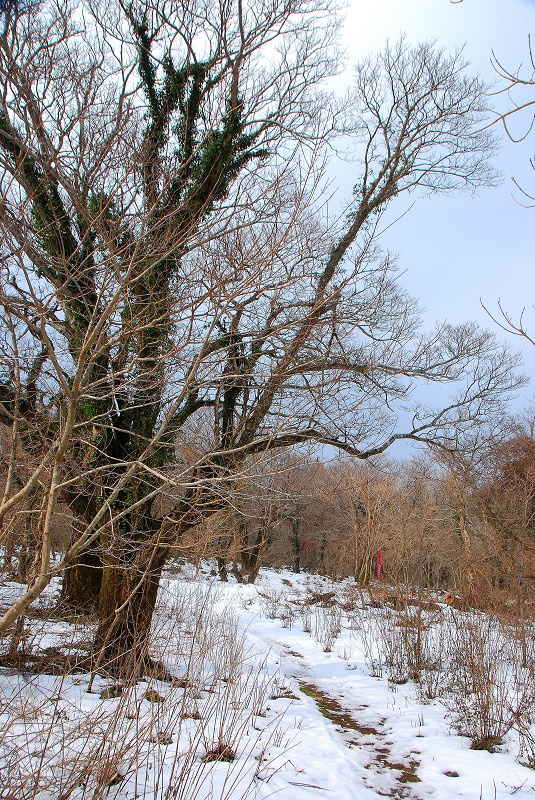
[260, 708]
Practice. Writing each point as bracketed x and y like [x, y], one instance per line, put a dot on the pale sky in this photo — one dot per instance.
[456, 250]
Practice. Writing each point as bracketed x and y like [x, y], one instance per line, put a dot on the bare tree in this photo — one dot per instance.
[167, 270]
[507, 497]
[512, 327]
[517, 85]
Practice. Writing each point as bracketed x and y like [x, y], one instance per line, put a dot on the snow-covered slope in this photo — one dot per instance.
[260, 707]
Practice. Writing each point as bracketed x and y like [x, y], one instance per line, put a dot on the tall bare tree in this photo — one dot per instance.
[167, 270]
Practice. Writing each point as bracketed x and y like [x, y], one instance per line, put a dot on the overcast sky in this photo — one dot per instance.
[456, 250]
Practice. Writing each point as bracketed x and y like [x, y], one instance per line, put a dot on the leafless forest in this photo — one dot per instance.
[208, 362]
[198, 359]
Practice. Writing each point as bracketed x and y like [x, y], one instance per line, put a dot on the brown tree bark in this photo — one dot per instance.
[127, 601]
[296, 545]
[82, 582]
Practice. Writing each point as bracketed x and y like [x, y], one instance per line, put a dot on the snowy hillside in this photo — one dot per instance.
[291, 688]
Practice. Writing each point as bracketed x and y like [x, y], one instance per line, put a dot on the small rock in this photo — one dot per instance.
[112, 691]
[182, 683]
[162, 737]
[153, 696]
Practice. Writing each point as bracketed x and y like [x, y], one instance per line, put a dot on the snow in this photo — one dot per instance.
[301, 722]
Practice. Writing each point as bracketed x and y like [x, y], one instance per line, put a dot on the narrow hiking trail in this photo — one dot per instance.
[373, 741]
[354, 736]
[299, 710]
[355, 751]
[385, 773]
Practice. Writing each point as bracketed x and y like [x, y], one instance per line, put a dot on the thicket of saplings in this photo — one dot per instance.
[443, 523]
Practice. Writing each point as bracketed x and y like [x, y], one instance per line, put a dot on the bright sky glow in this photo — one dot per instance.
[455, 250]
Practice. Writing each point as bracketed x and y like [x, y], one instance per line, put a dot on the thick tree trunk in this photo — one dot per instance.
[127, 601]
[133, 559]
[82, 582]
[82, 579]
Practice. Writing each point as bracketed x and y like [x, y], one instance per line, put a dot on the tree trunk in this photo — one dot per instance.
[257, 554]
[127, 601]
[323, 552]
[296, 545]
[82, 579]
[82, 582]
[31, 538]
[133, 559]
[222, 569]
[240, 564]
[9, 553]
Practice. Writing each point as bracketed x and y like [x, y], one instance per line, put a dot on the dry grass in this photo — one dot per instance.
[191, 738]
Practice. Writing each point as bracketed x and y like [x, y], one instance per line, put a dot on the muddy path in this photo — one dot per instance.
[395, 778]
[385, 774]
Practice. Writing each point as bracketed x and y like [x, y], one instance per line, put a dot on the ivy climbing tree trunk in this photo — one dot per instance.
[176, 304]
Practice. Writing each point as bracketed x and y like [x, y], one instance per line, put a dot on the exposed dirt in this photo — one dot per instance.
[372, 739]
